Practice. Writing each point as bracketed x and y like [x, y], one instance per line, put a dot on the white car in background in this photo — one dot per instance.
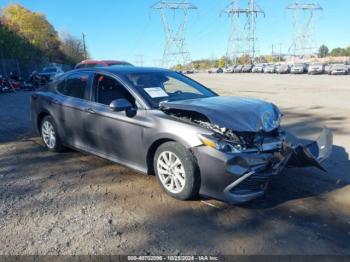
[316, 69]
[299, 68]
[229, 69]
[338, 69]
[259, 68]
[270, 69]
[283, 69]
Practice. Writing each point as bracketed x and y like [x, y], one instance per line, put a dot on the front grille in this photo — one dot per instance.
[255, 182]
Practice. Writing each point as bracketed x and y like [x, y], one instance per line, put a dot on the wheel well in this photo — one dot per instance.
[151, 152]
[40, 119]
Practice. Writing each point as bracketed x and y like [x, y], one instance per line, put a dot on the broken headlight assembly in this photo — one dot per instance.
[220, 144]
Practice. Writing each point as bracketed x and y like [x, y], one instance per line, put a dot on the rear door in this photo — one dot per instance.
[72, 107]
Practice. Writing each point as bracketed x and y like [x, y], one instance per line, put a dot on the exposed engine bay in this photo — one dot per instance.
[282, 152]
[249, 141]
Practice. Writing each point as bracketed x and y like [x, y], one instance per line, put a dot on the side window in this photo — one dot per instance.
[109, 89]
[74, 86]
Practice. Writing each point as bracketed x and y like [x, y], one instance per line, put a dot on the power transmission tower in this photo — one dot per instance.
[236, 40]
[175, 50]
[303, 22]
[243, 40]
[253, 12]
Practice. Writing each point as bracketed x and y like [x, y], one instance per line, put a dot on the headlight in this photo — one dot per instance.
[220, 145]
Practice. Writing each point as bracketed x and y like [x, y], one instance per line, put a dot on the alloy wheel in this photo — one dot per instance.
[171, 172]
[48, 134]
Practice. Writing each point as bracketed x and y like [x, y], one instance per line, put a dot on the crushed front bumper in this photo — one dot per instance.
[241, 177]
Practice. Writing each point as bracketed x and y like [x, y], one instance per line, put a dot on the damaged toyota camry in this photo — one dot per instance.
[160, 122]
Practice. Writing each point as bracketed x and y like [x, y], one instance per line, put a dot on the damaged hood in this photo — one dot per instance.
[236, 113]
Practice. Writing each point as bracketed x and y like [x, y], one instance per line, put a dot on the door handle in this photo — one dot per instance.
[90, 111]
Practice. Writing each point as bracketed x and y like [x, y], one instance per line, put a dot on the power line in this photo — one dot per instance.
[175, 49]
[139, 60]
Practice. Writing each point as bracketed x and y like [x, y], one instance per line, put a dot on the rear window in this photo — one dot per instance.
[74, 86]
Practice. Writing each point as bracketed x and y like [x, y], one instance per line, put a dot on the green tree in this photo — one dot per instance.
[323, 51]
[14, 46]
[338, 52]
[347, 51]
[73, 48]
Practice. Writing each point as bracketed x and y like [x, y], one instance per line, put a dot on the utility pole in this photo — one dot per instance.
[84, 46]
[280, 58]
[303, 42]
[139, 60]
[175, 50]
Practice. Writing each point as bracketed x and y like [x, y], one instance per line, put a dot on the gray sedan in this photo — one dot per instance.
[165, 124]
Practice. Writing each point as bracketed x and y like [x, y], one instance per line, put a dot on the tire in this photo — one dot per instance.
[169, 178]
[47, 136]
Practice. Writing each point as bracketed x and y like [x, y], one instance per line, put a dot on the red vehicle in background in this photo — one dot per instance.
[101, 63]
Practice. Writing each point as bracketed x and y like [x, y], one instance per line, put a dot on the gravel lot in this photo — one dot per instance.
[72, 203]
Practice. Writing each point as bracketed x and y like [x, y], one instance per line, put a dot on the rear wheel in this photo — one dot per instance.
[177, 171]
[49, 135]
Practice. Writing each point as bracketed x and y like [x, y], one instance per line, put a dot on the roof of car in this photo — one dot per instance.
[124, 69]
[103, 62]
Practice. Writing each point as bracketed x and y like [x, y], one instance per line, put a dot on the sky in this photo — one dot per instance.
[125, 29]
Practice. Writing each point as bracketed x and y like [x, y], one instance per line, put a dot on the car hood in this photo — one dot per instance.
[236, 113]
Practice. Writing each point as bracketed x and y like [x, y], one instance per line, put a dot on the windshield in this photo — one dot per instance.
[50, 70]
[158, 87]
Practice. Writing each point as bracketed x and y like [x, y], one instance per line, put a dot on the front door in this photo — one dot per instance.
[114, 134]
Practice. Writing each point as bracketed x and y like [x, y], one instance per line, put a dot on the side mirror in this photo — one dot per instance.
[120, 105]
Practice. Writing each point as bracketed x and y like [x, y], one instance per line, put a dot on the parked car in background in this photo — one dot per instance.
[316, 69]
[270, 69]
[5, 85]
[348, 66]
[215, 71]
[101, 63]
[187, 72]
[247, 68]
[229, 69]
[259, 68]
[338, 69]
[50, 73]
[299, 68]
[238, 69]
[162, 123]
[283, 69]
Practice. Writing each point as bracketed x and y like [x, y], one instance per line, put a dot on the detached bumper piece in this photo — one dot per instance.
[255, 171]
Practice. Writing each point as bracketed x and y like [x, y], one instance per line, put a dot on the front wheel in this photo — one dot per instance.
[177, 171]
[49, 135]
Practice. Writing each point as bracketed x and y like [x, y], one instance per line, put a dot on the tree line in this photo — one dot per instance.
[29, 36]
[336, 52]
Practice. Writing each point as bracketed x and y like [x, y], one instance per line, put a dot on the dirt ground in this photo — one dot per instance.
[73, 203]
